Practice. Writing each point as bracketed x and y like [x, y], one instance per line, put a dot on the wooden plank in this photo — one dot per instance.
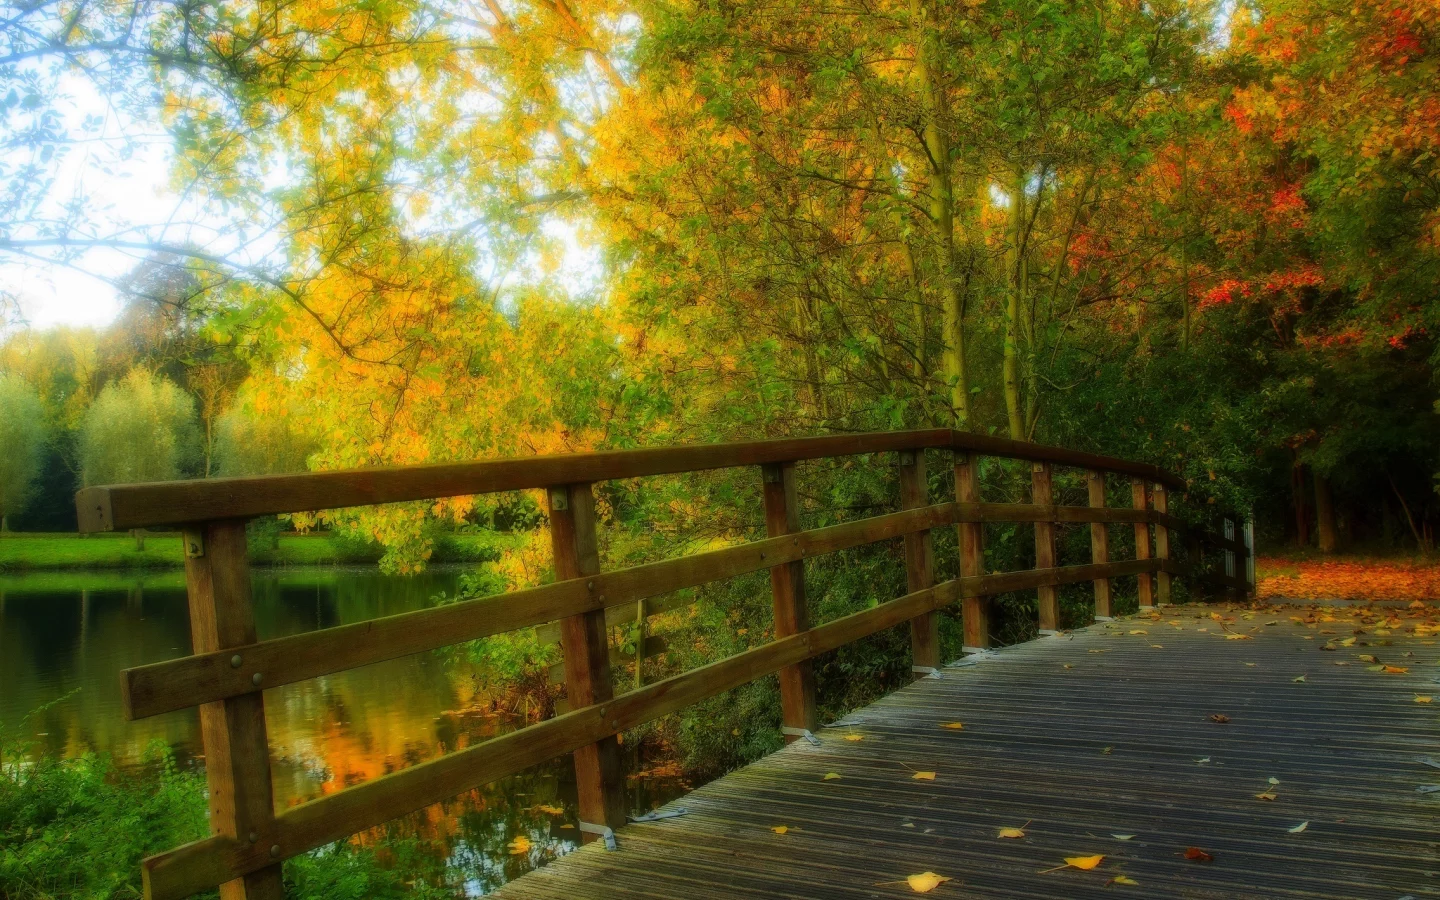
[1043, 494]
[787, 592]
[122, 507]
[1099, 541]
[202, 864]
[187, 681]
[919, 565]
[599, 779]
[1140, 499]
[232, 732]
[1162, 546]
[975, 611]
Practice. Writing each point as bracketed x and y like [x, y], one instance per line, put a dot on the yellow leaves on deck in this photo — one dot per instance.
[1299, 680]
[1299, 828]
[923, 776]
[780, 829]
[1423, 698]
[1085, 862]
[1395, 670]
[953, 726]
[1011, 833]
[831, 776]
[1266, 795]
[1237, 637]
[520, 846]
[925, 882]
[1123, 879]
[854, 737]
[1139, 631]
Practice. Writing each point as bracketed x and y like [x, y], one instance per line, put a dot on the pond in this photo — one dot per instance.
[68, 634]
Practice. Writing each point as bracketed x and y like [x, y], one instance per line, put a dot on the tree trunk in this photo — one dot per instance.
[1325, 515]
[1015, 266]
[1302, 514]
[942, 214]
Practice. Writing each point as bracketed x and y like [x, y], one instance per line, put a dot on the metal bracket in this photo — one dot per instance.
[194, 544]
[658, 814]
[559, 498]
[800, 733]
[605, 831]
[907, 457]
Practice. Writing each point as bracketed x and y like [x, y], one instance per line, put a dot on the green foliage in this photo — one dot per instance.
[22, 435]
[140, 428]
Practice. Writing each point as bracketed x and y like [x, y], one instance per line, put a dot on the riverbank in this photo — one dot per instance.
[28, 552]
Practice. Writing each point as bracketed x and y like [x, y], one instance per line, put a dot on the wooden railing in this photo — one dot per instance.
[229, 668]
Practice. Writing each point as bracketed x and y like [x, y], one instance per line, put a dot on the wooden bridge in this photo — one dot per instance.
[1087, 734]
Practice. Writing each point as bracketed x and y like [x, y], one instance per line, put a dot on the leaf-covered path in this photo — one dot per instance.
[1203, 753]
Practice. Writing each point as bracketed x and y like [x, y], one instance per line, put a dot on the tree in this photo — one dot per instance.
[140, 428]
[262, 435]
[22, 434]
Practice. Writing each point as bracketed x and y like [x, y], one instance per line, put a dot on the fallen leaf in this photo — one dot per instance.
[1139, 631]
[1157, 646]
[780, 829]
[923, 776]
[953, 726]
[550, 810]
[568, 825]
[1197, 855]
[1202, 760]
[854, 737]
[1395, 670]
[1423, 698]
[925, 882]
[519, 846]
[831, 776]
[1299, 828]
[1251, 665]
[1085, 862]
[1217, 717]
[1348, 642]
[1237, 637]
[1365, 657]
[1068, 666]
[1273, 780]
[1300, 680]
[1011, 833]
[1266, 795]
[1122, 837]
[1123, 879]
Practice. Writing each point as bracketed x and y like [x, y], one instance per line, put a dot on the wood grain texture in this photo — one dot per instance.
[787, 592]
[1042, 492]
[975, 611]
[202, 864]
[1140, 500]
[121, 507]
[599, 779]
[1099, 540]
[232, 732]
[919, 562]
[1108, 743]
[1160, 499]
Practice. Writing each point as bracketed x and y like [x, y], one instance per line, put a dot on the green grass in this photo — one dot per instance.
[21, 552]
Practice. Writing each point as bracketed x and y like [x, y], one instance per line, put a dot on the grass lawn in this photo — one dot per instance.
[30, 552]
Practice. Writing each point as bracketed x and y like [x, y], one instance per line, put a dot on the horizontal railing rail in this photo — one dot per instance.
[229, 669]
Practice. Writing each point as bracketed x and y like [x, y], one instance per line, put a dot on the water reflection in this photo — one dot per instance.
[73, 632]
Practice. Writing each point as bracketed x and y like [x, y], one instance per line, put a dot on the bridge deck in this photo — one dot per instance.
[1082, 736]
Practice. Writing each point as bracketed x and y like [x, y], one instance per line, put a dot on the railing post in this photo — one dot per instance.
[1229, 533]
[598, 778]
[1250, 554]
[1099, 542]
[975, 610]
[237, 749]
[1042, 493]
[1162, 546]
[919, 565]
[1141, 500]
[787, 590]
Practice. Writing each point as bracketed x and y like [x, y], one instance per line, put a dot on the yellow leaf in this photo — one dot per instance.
[1139, 631]
[1365, 657]
[1068, 666]
[1299, 828]
[1012, 833]
[1266, 795]
[780, 829]
[1237, 637]
[1423, 698]
[1158, 646]
[1122, 837]
[1251, 665]
[1395, 670]
[1123, 879]
[854, 737]
[831, 776]
[1299, 680]
[1085, 862]
[923, 776]
[953, 726]
[925, 882]
[519, 846]
[1348, 642]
